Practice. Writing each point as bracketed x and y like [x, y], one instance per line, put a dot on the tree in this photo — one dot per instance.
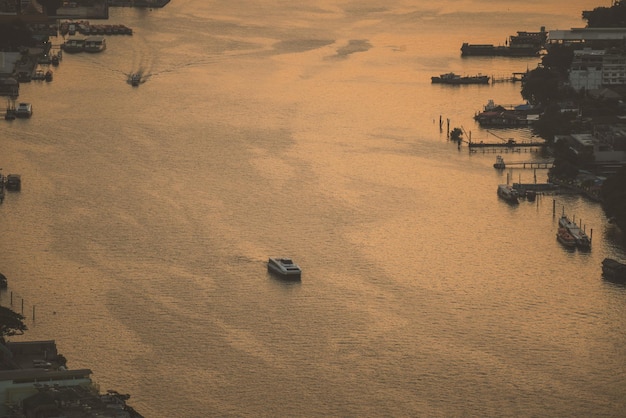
[607, 17]
[541, 86]
[11, 323]
[559, 58]
[456, 134]
[613, 195]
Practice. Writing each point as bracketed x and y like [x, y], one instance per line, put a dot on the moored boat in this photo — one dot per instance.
[582, 239]
[284, 267]
[565, 238]
[95, 44]
[39, 74]
[9, 115]
[452, 78]
[24, 110]
[14, 182]
[74, 45]
[499, 164]
[613, 270]
[524, 44]
[508, 193]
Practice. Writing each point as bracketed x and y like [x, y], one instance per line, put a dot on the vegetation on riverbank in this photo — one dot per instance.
[547, 88]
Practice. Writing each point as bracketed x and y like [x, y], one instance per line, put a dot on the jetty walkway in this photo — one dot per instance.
[529, 164]
[510, 146]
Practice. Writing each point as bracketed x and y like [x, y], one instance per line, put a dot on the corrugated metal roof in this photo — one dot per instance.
[7, 61]
[587, 34]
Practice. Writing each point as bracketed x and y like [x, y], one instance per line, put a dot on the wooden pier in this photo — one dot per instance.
[509, 146]
[530, 164]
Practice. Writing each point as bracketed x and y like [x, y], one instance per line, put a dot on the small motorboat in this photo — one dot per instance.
[284, 267]
[39, 75]
[135, 79]
[499, 164]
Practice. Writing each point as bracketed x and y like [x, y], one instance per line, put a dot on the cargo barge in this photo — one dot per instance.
[524, 44]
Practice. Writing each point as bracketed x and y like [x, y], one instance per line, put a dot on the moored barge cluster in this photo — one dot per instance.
[85, 28]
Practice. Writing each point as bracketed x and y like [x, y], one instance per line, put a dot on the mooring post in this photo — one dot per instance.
[33, 312]
[553, 208]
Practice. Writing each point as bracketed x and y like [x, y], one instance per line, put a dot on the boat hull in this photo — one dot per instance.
[454, 79]
[613, 270]
[284, 268]
[508, 194]
[583, 241]
[565, 238]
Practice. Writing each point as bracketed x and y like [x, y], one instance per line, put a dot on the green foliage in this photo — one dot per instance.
[11, 323]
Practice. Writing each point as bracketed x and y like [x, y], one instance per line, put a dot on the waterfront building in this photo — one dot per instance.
[599, 60]
[593, 69]
[25, 367]
[34, 377]
[586, 69]
[595, 38]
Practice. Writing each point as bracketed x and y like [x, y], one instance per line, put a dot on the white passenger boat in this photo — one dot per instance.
[284, 267]
[95, 44]
[73, 45]
[24, 110]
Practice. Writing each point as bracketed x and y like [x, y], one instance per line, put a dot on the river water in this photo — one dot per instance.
[308, 130]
